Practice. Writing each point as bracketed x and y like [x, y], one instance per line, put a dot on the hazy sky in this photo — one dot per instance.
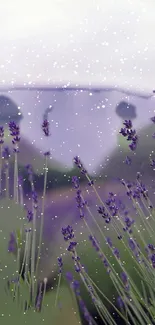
[80, 42]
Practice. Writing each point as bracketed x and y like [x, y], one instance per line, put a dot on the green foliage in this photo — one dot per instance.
[66, 312]
[55, 179]
[12, 312]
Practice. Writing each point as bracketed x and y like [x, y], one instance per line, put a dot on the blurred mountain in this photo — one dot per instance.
[29, 154]
[8, 110]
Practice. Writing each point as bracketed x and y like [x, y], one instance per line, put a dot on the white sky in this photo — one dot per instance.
[96, 42]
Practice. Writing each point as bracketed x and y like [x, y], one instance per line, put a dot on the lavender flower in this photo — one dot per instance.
[76, 287]
[80, 202]
[130, 134]
[60, 264]
[94, 243]
[72, 246]
[35, 199]
[128, 124]
[1, 134]
[12, 245]
[120, 302]
[132, 244]
[106, 264]
[153, 260]
[69, 277]
[128, 160]
[75, 182]
[109, 241]
[116, 253]
[86, 313]
[79, 164]
[124, 278]
[39, 299]
[152, 163]
[30, 172]
[47, 153]
[29, 216]
[152, 119]
[45, 128]
[15, 133]
[67, 233]
[6, 153]
[151, 247]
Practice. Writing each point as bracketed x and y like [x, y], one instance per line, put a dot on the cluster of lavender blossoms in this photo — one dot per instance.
[23, 243]
[134, 299]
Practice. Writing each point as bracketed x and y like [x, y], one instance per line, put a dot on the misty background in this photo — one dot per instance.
[82, 122]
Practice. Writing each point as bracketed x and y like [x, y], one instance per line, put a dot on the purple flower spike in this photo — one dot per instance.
[6, 153]
[94, 243]
[109, 241]
[130, 134]
[123, 132]
[153, 119]
[128, 160]
[153, 260]
[75, 182]
[79, 164]
[39, 299]
[67, 233]
[15, 133]
[60, 264]
[69, 277]
[125, 280]
[132, 244]
[72, 246]
[12, 245]
[1, 134]
[76, 287]
[120, 302]
[29, 216]
[151, 247]
[116, 253]
[86, 314]
[30, 172]
[128, 124]
[47, 153]
[152, 163]
[45, 128]
[35, 199]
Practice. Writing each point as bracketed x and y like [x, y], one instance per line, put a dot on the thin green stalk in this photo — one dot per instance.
[57, 293]
[16, 178]
[42, 214]
[1, 149]
[21, 195]
[33, 251]
[7, 179]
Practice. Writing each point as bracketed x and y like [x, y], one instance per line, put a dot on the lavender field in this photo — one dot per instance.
[77, 162]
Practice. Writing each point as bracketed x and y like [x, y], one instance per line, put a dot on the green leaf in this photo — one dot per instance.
[65, 313]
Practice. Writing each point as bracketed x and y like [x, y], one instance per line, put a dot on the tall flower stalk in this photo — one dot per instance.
[1, 149]
[15, 133]
[45, 128]
[135, 303]
[134, 299]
